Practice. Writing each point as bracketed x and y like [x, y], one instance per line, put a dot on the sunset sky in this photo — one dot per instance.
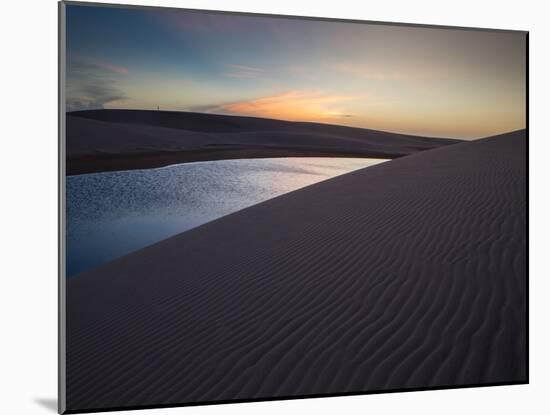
[424, 81]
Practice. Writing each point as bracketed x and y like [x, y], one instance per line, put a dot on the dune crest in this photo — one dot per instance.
[107, 140]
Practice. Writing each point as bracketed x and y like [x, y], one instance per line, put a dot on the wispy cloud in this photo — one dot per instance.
[93, 97]
[81, 63]
[243, 72]
[92, 84]
[111, 68]
[291, 105]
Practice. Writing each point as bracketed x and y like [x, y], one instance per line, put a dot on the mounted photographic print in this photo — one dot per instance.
[258, 207]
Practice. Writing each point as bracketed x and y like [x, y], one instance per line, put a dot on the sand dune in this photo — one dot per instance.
[407, 274]
[106, 140]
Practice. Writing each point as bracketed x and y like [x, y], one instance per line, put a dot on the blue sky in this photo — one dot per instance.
[425, 81]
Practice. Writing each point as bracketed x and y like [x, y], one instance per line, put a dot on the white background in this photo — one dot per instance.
[28, 255]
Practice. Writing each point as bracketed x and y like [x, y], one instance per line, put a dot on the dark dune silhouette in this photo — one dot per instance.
[105, 140]
[411, 273]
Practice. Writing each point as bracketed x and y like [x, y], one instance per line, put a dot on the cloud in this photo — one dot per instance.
[93, 97]
[111, 68]
[243, 72]
[290, 105]
[92, 84]
[81, 64]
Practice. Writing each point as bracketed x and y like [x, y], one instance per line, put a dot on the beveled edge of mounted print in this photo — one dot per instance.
[257, 207]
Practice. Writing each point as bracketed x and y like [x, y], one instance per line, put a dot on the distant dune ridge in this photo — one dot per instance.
[106, 140]
[411, 273]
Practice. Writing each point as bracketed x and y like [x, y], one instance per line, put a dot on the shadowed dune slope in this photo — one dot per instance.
[103, 140]
[411, 273]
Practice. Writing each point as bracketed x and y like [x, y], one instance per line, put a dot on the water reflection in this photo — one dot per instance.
[112, 214]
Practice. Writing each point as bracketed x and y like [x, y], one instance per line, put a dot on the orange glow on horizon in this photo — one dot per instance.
[294, 106]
